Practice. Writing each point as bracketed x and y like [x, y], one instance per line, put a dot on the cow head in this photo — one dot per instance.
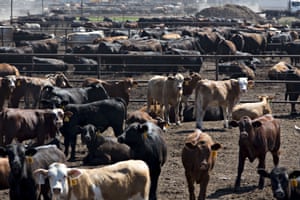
[88, 134]
[282, 182]
[55, 117]
[60, 177]
[204, 147]
[244, 83]
[9, 82]
[246, 127]
[17, 158]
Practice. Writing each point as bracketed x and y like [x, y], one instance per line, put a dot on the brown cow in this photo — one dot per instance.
[4, 172]
[257, 137]
[30, 88]
[280, 71]
[142, 117]
[7, 85]
[198, 158]
[218, 93]
[7, 69]
[24, 124]
[114, 89]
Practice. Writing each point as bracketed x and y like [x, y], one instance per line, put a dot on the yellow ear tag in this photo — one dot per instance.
[66, 119]
[98, 133]
[214, 154]
[73, 181]
[294, 182]
[29, 160]
[145, 135]
[18, 83]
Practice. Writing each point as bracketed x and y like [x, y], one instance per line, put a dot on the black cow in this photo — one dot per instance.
[82, 65]
[52, 96]
[102, 149]
[20, 35]
[42, 46]
[22, 184]
[285, 185]
[48, 64]
[102, 114]
[147, 143]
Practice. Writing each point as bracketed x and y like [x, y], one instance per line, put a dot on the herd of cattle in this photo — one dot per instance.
[135, 155]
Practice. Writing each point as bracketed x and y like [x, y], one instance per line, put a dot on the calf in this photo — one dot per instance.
[147, 143]
[115, 89]
[21, 182]
[285, 186]
[167, 91]
[257, 137]
[142, 117]
[252, 110]
[102, 149]
[123, 180]
[24, 124]
[198, 159]
[218, 93]
[102, 114]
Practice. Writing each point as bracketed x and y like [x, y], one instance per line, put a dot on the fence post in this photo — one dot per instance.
[217, 67]
[99, 66]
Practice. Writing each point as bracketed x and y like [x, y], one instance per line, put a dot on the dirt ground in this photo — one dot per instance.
[172, 182]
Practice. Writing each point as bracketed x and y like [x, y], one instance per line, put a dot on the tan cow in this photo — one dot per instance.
[124, 180]
[120, 88]
[280, 70]
[218, 93]
[167, 91]
[252, 110]
[198, 158]
[7, 69]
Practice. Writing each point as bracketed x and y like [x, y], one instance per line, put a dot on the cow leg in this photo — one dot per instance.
[166, 112]
[199, 117]
[154, 174]
[67, 144]
[225, 116]
[261, 165]
[73, 147]
[240, 171]
[203, 187]
[275, 157]
[177, 118]
[191, 188]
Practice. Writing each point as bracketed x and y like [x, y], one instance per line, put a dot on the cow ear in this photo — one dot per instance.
[256, 124]
[216, 146]
[74, 173]
[234, 123]
[40, 175]
[294, 174]
[263, 173]
[3, 151]
[30, 152]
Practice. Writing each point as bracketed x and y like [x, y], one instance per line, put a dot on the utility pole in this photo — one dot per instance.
[11, 12]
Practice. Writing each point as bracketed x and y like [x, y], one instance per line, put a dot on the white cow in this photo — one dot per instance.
[167, 91]
[123, 181]
[80, 38]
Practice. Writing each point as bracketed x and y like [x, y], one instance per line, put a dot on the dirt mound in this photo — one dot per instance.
[230, 11]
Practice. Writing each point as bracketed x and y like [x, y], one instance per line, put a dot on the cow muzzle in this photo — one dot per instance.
[204, 165]
[56, 191]
[244, 134]
[279, 194]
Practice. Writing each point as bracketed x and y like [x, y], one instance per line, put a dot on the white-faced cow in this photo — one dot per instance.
[218, 93]
[123, 180]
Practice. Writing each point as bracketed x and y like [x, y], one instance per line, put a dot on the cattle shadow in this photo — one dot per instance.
[204, 130]
[288, 116]
[230, 190]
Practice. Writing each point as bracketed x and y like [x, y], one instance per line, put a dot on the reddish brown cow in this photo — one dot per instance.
[142, 117]
[24, 124]
[198, 158]
[114, 89]
[257, 137]
[7, 69]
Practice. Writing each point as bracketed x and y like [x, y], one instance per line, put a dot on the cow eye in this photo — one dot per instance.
[202, 142]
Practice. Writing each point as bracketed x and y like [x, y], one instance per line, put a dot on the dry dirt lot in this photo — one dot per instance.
[172, 183]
